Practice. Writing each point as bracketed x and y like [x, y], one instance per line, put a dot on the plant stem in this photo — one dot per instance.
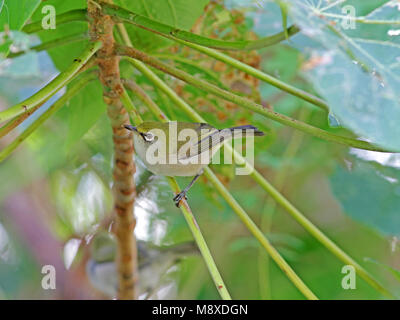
[145, 98]
[80, 15]
[51, 88]
[284, 13]
[52, 44]
[278, 197]
[70, 16]
[123, 15]
[101, 28]
[244, 102]
[252, 227]
[72, 91]
[317, 234]
[177, 58]
[258, 74]
[187, 212]
[130, 107]
[201, 243]
[13, 123]
[270, 204]
[274, 254]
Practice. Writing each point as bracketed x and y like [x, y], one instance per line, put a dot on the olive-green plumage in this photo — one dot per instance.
[187, 147]
[182, 148]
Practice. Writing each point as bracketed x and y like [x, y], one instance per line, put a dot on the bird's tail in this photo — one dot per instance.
[217, 137]
[248, 130]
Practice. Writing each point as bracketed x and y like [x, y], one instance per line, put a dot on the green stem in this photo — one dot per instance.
[258, 74]
[48, 113]
[244, 102]
[278, 197]
[189, 217]
[270, 205]
[14, 122]
[145, 98]
[284, 13]
[274, 254]
[166, 102]
[70, 16]
[123, 15]
[211, 74]
[130, 107]
[201, 243]
[317, 234]
[233, 204]
[51, 88]
[52, 44]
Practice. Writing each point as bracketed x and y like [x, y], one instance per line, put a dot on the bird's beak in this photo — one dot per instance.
[129, 127]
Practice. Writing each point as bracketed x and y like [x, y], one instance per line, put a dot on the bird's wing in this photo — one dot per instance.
[206, 142]
[188, 140]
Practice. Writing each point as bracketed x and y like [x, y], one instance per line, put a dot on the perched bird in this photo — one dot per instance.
[153, 263]
[182, 148]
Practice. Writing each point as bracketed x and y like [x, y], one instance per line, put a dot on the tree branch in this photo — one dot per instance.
[186, 211]
[101, 29]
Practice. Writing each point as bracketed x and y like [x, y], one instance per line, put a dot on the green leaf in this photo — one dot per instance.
[179, 13]
[355, 66]
[14, 13]
[369, 193]
[84, 110]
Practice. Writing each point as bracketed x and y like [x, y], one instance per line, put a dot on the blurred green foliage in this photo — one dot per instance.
[64, 169]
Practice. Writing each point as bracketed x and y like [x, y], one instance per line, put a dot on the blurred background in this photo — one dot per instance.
[55, 190]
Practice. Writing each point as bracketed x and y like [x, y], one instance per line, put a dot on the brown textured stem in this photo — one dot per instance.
[15, 122]
[101, 28]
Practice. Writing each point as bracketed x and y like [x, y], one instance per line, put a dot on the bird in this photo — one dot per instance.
[177, 148]
[153, 262]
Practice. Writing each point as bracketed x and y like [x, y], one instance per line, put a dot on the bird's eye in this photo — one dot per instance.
[148, 137]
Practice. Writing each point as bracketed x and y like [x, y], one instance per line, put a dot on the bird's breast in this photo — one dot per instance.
[166, 164]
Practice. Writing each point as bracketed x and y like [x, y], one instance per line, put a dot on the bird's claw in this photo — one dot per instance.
[177, 199]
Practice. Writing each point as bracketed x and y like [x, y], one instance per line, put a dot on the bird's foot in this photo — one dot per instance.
[180, 196]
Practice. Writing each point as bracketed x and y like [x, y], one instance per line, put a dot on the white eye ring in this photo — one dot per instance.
[149, 137]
